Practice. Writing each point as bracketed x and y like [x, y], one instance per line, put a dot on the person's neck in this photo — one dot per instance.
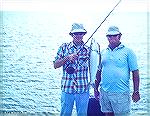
[113, 46]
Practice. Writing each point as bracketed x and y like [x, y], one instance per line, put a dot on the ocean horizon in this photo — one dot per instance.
[29, 43]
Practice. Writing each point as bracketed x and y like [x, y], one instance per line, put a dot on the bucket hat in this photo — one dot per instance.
[113, 30]
[76, 27]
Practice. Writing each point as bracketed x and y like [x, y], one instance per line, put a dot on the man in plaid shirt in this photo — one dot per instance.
[74, 57]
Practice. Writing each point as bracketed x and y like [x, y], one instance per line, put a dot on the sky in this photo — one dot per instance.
[68, 6]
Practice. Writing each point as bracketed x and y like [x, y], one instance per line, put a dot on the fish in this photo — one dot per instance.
[94, 61]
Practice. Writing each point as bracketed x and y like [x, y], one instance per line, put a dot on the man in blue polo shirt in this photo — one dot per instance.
[114, 74]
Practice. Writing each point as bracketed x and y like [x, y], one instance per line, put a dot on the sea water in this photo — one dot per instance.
[29, 43]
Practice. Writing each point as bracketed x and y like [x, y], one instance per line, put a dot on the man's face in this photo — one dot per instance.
[77, 37]
[113, 39]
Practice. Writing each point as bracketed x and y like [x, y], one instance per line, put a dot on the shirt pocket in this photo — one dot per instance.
[120, 62]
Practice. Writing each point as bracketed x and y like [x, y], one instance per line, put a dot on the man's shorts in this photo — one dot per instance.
[115, 102]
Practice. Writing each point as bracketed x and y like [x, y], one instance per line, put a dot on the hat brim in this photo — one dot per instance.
[113, 33]
[78, 30]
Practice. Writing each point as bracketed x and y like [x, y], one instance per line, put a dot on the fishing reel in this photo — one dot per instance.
[70, 70]
[81, 62]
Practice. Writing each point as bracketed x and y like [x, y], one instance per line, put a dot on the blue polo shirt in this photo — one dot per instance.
[116, 66]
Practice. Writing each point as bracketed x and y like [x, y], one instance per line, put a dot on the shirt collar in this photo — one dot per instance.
[119, 47]
[73, 45]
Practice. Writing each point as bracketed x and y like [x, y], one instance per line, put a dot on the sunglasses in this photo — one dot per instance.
[112, 35]
[78, 33]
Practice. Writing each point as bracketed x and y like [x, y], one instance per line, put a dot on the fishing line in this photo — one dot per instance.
[70, 70]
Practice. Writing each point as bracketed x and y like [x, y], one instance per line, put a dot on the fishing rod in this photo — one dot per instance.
[102, 22]
[70, 70]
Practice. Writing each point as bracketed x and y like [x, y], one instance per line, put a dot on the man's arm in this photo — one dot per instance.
[97, 82]
[98, 79]
[136, 81]
[60, 62]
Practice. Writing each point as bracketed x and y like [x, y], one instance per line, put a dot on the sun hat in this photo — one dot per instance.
[113, 30]
[76, 27]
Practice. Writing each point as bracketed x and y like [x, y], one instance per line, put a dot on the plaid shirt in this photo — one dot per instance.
[78, 81]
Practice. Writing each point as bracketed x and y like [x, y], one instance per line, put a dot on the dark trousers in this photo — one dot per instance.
[94, 108]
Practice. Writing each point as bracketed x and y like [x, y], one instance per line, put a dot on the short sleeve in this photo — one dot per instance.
[60, 52]
[132, 60]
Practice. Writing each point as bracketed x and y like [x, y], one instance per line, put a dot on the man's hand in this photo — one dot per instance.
[136, 96]
[73, 57]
